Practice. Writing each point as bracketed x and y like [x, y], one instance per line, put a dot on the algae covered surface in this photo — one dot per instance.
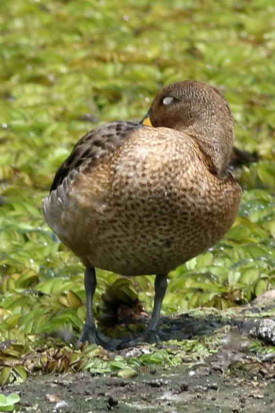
[66, 67]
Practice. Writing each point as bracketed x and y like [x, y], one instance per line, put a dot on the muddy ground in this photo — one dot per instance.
[213, 386]
[232, 380]
[206, 388]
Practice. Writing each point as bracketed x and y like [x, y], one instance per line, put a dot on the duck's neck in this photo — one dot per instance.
[215, 142]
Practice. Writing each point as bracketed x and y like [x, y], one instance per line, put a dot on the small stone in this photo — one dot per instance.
[112, 402]
[213, 386]
[184, 387]
[52, 398]
[62, 405]
[157, 383]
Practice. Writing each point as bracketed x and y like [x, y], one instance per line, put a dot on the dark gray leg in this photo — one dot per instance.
[151, 333]
[160, 290]
[90, 287]
[89, 332]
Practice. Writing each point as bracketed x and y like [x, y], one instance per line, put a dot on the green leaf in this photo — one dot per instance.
[5, 375]
[21, 372]
[127, 373]
[13, 398]
[3, 400]
[261, 286]
[73, 300]
[118, 365]
[7, 402]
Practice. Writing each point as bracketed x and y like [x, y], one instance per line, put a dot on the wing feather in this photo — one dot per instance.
[93, 146]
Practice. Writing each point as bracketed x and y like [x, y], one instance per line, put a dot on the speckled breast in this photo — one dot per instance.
[147, 208]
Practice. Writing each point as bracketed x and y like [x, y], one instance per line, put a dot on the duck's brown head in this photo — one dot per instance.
[199, 110]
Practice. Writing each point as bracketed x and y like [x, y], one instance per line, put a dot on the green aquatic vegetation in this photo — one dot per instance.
[7, 403]
[54, 357]
[68, 66]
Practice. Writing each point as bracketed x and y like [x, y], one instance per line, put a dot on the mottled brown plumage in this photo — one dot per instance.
[140, 200]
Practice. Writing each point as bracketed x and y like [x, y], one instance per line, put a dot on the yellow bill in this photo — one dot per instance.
[146, 121]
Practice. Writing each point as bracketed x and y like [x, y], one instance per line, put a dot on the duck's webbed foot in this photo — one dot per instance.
[91, 335]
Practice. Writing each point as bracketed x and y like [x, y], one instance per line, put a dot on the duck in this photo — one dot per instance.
[143, 198]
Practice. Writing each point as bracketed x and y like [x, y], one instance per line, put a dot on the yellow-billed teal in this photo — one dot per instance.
[136, 199]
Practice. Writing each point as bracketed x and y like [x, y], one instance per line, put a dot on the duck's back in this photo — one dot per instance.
[146, 206]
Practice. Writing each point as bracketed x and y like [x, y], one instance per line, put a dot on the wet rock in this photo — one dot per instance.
[265, 331]
[267, 298]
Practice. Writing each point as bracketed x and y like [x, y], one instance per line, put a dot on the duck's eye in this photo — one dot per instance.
[168, 100]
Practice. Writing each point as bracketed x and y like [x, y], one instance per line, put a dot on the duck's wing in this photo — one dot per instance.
[94, 146]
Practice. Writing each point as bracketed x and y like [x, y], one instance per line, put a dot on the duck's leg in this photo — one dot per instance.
[90, 332]
[151, 333]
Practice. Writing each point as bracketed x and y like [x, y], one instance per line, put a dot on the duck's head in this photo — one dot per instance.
[200, 111]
